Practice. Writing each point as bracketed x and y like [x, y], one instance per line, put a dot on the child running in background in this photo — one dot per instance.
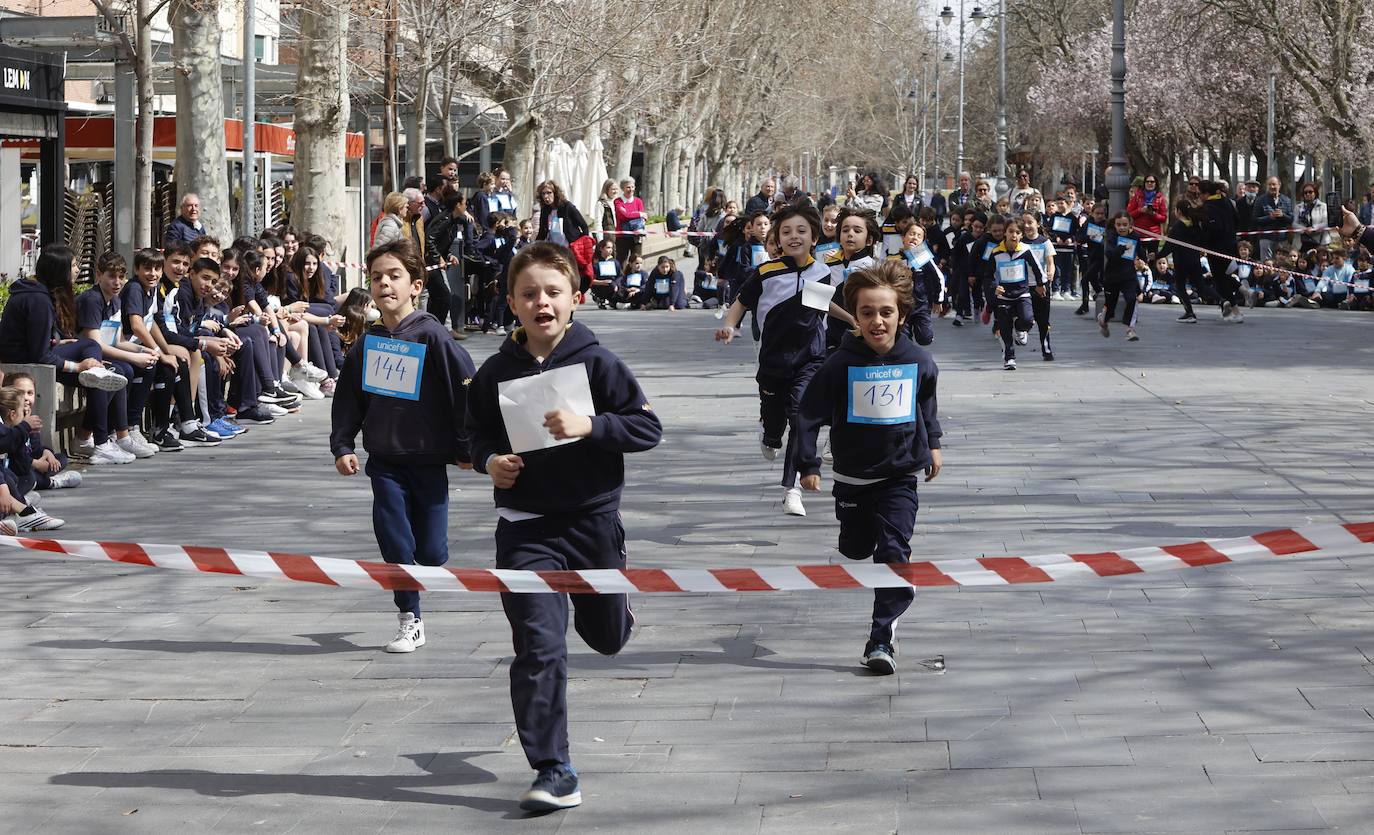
[858, 235]
[404, 386]
[877, 394]
[792, 325]
[1018, 277]
[557, 496]
[1118, 276]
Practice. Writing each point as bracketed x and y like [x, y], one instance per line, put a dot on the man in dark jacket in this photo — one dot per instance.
[763, 201]
[1273, 211]
[186, 226]
[1245, 206]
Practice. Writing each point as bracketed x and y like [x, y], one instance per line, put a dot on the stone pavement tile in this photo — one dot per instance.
[784, 756]
[955, 701]
[964, 728]
[1021, 817]
[839, 816]
[140, 710]
[777, 729]
[297, 733]
[424, 736]
[1261, 719]
[130, 814]
[1350, 695]
[650, 818]
[42, 759]
[1218, 810]
[1098, 783]
[1282, 780]
[783, 787]
[23, 788]
[436, 668]
[92, 734]
[1140, 722]
[1348, 813]
[114, 761]
[304, 815]
[1193, 750]
[1034, 750]
[861, 728]
[971, 785]
[1313, 747]
[912, 756]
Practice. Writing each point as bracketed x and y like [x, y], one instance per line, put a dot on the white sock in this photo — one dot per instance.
[189, 426]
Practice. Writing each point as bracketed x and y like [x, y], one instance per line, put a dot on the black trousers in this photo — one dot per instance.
[877, 520]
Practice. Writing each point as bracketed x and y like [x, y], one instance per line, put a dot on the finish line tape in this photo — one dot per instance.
[984, 571]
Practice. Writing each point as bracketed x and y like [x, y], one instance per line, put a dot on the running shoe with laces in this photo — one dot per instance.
[256, 416]
[102, 378]
[65, 479]
[313, 372]
[792, 502]
[108, 453]
[219, 427]
[196, 435]
[1131, 335]
[135, 446]
[273, 410]
[1187, 319]
[410, 634]
[880, 658]
[554, 788]
[167, 441]
[37, 521]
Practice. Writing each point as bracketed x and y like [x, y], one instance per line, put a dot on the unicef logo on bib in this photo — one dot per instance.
[392, 367]
[882, 395]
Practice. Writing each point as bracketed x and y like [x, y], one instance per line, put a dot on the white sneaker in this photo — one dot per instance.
[826, 455]
[309, 390]
[273, 410]
[1237, 317]
[130, 444]
[109, 453]
[66, 478]
[1022, 337]
[313, 372]
[500, 330]
[31, 498]
[410, 636]
[102, 378]
[8, 527]
[792, 502]
[38, 521]
[137, 434]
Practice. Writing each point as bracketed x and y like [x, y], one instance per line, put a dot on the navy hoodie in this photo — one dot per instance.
[582, 477]
[793, 335]
[868, 451]
[28, 327]
[431, 427]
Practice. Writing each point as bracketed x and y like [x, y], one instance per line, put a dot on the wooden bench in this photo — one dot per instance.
[60, 407]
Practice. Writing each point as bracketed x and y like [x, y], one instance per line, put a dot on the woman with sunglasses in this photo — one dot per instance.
[1311, 212]
[1149, 212]
[982, 196]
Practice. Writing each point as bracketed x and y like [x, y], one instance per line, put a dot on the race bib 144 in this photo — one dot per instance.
[392, 367]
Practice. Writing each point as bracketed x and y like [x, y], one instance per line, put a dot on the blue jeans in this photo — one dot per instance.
[409, 516]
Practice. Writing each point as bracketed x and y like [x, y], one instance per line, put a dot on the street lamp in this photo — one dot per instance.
[946, 15]
[1118, 178]
[1002, 185]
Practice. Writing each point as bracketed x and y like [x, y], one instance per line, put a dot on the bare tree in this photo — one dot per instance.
[321, 119]
[201, 166]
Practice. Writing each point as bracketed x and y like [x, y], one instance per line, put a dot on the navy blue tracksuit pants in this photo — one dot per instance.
[409, 515]
[539, 622]
[1012, 313]
[779, 406]
[877, 520]
[102, 407]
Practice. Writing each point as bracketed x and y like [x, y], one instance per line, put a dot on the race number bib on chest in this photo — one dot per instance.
[882, 394]
[661, 286]
[1011, 272]
[109, 332]
[392, 367]
[605, 269]
[1128, 246]
[758, 255]
[1061, 224]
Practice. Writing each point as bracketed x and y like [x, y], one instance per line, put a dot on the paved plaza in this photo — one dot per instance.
[1227, 699]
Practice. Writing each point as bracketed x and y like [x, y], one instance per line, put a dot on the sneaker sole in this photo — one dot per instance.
[104, 382]
[881, 666]
[542, 801]
[414, 645]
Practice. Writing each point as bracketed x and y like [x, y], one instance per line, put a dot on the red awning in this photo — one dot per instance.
[98, 132]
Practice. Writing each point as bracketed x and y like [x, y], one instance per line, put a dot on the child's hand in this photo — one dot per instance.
[35, 423]
[346, 464]
[563, 424]
[812, 483]
[725, 335]
[504, 469]
[1000, 293]
[936, 461]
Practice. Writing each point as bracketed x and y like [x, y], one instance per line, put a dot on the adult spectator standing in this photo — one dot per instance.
[763, 201]
[1366, 213]
[708, 223]
[937, 202]
[1311, 215]
[909, 203]
[561, 222]
[629, 217]
[982, 197]
[392, 224]
[1023, 191]
[451, 234]
[868, 195]
[603, 220]
[963, 195]
[436, 295]
[436, 188]
[1245, 206]
[186, 226]
[1149, 212]
[1273, 212]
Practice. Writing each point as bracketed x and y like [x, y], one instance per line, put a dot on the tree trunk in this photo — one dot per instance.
[415, 147]
[201, 167]
[519, 156]
[143, 129]
[651, 182]
[319, 201]
[672, 176]
[624, 147]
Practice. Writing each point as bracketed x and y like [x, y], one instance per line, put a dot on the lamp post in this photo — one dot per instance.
[1118, 178]
[1002, 186]
[946, 15]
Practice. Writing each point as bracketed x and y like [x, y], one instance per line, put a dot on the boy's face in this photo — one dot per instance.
[25, 387]
[976, 228]
[998, 231]
[111, 282]
[1244, 250]
[853, 235]
[391, 288]
[913, 237]
[147, 273]
[796, 237]
[1337, 259]
[526, 230]
[176, 266]
[543, 300]
[208, 250]
[758, 230]
[205, 281]
[1011, 236]
[875, 309]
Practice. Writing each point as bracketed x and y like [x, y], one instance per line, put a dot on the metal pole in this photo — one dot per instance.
[247, 183]
[1118, 178]
[1269, 167]
[1083, 175]
[919, 101]
[124, 139]
[1002, 185]
[959, 150]
[935, 164]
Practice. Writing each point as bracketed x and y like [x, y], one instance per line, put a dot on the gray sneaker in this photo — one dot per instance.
[880, 658]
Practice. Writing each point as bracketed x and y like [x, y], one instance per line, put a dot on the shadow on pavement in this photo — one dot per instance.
[326, 643]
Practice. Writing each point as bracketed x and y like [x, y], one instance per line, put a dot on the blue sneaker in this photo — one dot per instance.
[880, 658]
[555, 788]
[224, 427]
[217, 427]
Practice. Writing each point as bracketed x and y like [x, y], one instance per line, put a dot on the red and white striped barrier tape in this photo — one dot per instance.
[1239, 260]
[983, 571]
[357, 265]
[1332, 229]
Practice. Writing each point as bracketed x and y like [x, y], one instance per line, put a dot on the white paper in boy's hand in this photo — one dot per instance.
[526, 400]
[817, 296]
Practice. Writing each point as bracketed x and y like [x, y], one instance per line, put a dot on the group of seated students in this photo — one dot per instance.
[631, 287]
[1326, 276]
[189, 350]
